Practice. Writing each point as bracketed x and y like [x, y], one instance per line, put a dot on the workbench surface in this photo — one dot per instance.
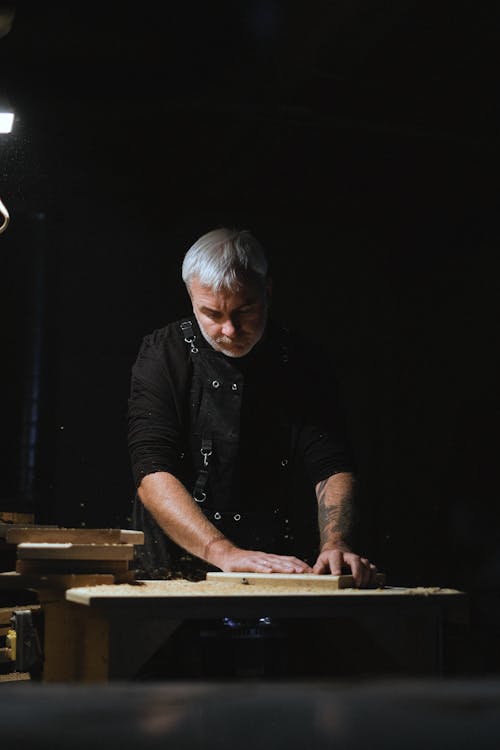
[234, 589]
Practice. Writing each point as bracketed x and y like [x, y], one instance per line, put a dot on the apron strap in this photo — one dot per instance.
[189, 335]
[206, 450]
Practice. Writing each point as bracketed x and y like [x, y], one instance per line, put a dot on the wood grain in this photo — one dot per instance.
[42, 567]
[13, 580]
[203, 591]
[19, 534]
[10, 517]
[69, 551]
[293, 581]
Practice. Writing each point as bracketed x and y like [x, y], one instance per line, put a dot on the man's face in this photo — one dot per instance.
[231, 322]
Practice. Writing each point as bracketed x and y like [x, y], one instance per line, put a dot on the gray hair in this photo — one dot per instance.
[223, 258]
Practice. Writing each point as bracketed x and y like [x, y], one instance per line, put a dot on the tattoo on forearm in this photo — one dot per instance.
[334, 516]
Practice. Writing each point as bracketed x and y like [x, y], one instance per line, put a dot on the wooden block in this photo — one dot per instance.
[292, 581]
[8, 516]
[45, 567]
[15, 677]
[53, 581]
[69, 551]
[22, 534]
[7, 528]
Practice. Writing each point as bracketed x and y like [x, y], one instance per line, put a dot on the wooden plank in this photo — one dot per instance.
[69, 551]
[7, 528]
[22, 534]
[53, 581]
[293, 581]
[15, 677]
[130, 536]
[203, 591]
[45, 567]
[8, 516]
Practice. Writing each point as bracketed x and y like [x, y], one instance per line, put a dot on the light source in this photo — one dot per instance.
[6, 115]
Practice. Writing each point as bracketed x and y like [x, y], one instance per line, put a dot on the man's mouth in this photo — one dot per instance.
[222, 341]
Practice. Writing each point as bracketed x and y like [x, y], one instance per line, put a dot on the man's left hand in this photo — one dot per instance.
[332, 560]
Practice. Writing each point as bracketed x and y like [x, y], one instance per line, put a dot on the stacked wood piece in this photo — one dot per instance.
[8, 547]
[60, 558]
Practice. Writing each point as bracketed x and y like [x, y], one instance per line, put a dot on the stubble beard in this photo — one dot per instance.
[221, 342]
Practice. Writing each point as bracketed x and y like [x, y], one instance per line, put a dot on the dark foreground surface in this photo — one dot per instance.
[388, 714]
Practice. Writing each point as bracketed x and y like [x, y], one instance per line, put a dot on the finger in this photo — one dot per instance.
[319, 567]
[360, 567]
[373, 575]
[356, 569]
[262, 568]
[292, 564]
[329, 563]
[365, 572]
[278, 566]
[335, 563]
[369, 575]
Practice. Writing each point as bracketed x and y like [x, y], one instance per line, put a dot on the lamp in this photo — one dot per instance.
[6, 115]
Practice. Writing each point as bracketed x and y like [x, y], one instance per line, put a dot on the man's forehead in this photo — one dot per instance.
[207, 297]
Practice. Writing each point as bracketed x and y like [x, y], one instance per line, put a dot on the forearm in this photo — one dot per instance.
[173, 508]
[335, 509]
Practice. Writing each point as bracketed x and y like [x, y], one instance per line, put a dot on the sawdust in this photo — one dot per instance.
[202, 589]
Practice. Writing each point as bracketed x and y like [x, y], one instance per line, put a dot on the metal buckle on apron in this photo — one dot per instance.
[189, 335]
[199, 494]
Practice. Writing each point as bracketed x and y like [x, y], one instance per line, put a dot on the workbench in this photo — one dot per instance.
[107, 632]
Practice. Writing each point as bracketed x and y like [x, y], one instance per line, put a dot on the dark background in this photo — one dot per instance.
[358, 140]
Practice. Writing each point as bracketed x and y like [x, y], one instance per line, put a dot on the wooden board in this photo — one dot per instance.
[15, 677]
[69, 551]
[10, 517]
[13, 580]
[293, 581]
[202, 591]
[6, 528]
[17, 534]
[43, 567]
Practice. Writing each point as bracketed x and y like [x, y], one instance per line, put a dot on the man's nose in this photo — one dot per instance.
[228, 328]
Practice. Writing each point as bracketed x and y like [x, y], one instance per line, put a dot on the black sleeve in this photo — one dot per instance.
[155, 432]
[323, 440]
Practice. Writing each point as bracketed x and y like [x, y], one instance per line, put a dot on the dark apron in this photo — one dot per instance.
[214, 443]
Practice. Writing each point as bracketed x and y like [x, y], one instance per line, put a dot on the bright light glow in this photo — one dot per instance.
[6, 121]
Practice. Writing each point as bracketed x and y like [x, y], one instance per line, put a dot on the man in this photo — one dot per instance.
[232, 423]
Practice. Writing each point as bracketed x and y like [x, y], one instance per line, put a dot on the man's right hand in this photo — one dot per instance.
[231, 559]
